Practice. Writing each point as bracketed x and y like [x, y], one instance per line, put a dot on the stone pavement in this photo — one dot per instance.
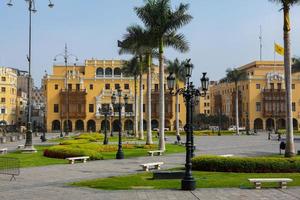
[50, 182]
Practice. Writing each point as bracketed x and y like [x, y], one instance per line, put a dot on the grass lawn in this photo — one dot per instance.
[204, 180]
[35, 159]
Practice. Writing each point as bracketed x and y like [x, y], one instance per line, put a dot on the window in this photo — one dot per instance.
[79, 108]
[204, 104]
[56, 109]
[258, 86]
[293, 86]
[178, 107]
[99, 72]
[272, 86]
[3, 78]
[2, 100]
[156, 87]
[117, 72]
[143, 86]
[2, 110]
[128, 108]
[56, 87]
[207, 104]
[70, 86]
[293, 106]
[3, 89]
[144, 108]
[91, 86]
[117, 86]
[126, 86]
[107, 86]
[279, 86]
[91, 108]
[108, 72]
[258, 106]
[77, 86]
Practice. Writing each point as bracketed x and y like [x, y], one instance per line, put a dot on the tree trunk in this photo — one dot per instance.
[141, 135]
[161, 98]
[136, 130]
[177, 113]
[149, 133]
[290, 148]
[237, 109]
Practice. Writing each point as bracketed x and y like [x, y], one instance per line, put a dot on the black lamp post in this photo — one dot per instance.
[66, 55]
[247, 123]
[189, 93]
[120, 154]
[106, 111]
[28, 142]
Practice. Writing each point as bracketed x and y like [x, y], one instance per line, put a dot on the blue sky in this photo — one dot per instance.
[223, 33]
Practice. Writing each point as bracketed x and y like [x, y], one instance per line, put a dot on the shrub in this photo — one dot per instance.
[92, 137]
[62, 152]
[79, 141]
[247, 165]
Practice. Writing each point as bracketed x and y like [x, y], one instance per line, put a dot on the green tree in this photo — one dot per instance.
[235, 76]
[286, 5]
[163, 22]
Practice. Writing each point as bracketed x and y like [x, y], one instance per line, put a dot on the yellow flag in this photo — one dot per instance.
[279, 49]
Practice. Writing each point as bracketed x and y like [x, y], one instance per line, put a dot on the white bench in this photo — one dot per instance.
[3, 151]
[21, 146]
[147, 166]
[158, 152]
[226, 155]
[72, 159]
[282, 181]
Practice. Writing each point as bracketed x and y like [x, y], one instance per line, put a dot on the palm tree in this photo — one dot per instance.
[177, 68]
[286, 5]
[235, 76]
[137, 41]
[295, 65]
[131, 68]
[163, 22]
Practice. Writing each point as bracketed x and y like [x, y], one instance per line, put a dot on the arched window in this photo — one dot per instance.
[117, 72]
[99, 72]
[108, 72]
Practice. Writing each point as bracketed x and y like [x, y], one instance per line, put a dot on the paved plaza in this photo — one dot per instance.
[50, 182]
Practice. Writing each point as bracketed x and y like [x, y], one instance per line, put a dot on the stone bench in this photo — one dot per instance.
[157, 152]
[155, 165]
[282, 181]
[3, 151]
[73, 159]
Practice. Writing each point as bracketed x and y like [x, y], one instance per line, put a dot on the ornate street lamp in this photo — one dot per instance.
[189, 93]
[28, 142]
[119, 105]
[66, 55]
[106, 111]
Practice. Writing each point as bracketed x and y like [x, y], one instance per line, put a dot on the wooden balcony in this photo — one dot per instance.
[155, 105]
[273, 103]
[76, 99]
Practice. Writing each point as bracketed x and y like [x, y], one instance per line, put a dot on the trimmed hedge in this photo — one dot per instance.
[92, 137]
[63, 152]
[246, 165]
[79, 141]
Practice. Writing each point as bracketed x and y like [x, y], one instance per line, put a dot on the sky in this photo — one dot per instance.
[223, 34]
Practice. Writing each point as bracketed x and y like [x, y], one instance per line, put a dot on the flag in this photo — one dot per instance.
[279, 49]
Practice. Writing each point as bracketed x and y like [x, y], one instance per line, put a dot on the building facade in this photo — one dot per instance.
[8, 95]
[90, 87]
[261, 97]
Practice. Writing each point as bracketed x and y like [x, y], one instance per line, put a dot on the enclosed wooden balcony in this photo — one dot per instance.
[155, 105]
[273, 103]
[76, 99]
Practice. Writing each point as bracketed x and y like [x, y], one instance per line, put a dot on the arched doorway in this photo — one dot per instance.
[79, 125]
[115, 126]
[154, 124]
[295, 124]
[269, 124]
[91, 125]
[56, 125]
[103, 126]
[168, 124]
[258, 124]
[280, 124]
[128, 126]
[144, 125]
[70, 127]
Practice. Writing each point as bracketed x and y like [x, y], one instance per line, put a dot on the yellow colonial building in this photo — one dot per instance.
[90, 87]
[261, 97]
[8, 95]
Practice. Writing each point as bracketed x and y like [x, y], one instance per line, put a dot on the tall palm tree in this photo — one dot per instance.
[177, 68]
[235, 76]
[137, 41]
[286, 5]
[131, 68]
[163, 22]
